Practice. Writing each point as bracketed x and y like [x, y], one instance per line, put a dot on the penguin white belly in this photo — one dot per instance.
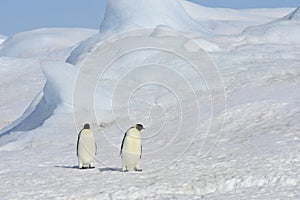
[130, 161]
[131, 152]
[86, 149]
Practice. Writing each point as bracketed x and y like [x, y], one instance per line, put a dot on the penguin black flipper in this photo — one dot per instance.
[141, 151]
[78, 142]
[96, 148]
[123, 143]
[124, 140]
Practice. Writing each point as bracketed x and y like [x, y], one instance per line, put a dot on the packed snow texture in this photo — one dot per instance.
[42, 41]
[122, 15]
[2, 38]
[257, 55]
[280, 31]
[21, 81]
[225, 21]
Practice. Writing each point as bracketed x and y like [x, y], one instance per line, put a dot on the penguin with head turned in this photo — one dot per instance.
[86, 148]
[131, 149]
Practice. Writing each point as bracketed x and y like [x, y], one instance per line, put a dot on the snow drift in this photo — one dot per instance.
[202, 13]
[280, 31]
[21, 82]
[40, 98]
[122, 15]
[2, 38]
[227, 21]
[57, 91]
[42, 41]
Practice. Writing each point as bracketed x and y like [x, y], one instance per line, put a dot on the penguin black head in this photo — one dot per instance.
[86, 126]
[139, 127]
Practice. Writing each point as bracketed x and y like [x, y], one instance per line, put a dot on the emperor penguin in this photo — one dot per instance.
[86, 148]
[131, 149]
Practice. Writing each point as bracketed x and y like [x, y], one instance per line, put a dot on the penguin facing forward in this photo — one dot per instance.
[86, 148]
[131, 149]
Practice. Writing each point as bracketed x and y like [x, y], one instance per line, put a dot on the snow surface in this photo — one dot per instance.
[255, 157]
[21, 81]
[228, 21]
[2, 38]
[40, 41]
[283, 30]
[122, 15]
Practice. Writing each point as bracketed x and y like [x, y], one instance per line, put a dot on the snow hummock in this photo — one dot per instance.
[281, 31]
[122, 15]
[2, 38]
[227, 21]
[42, 41]
[293, 16]
[218, 14]
[21, 82]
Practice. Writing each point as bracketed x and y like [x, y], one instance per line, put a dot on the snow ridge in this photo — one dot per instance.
[122, 15]
[280, 31]
[2, 38]
[42, 41]
[293, 16]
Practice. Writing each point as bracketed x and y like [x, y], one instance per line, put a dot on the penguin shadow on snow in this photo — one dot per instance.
[110, 169]
[68, 167]
[103, 169]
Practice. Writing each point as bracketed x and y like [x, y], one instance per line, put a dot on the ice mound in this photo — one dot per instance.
[284, 30]
[2, 38]
[21, 81]
[122, 15]
[293, 16]
[42, 41]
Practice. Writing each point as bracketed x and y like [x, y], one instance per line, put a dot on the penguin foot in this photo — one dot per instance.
[125, 170]
[91, 166]
[137, 170]
[84, 168]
